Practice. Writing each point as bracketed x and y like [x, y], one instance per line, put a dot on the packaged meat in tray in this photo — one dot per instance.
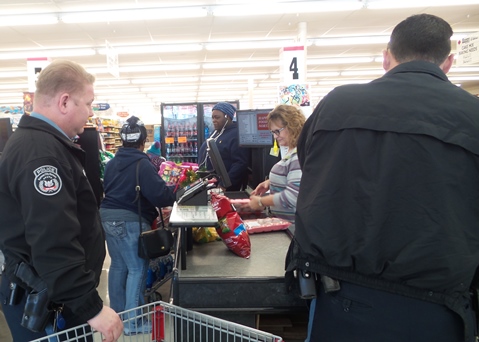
[268, 224]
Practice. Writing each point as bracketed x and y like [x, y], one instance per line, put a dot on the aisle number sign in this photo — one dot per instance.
[468, 50]
[34, 67]
[293, 65]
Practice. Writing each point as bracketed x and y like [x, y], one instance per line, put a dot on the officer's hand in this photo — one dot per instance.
[108, 323]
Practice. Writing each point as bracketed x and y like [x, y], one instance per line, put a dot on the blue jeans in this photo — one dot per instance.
[127, 275]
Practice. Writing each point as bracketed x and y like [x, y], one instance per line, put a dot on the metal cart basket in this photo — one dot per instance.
[171, 323]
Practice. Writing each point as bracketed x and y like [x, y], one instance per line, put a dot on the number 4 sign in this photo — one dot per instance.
[293, 68]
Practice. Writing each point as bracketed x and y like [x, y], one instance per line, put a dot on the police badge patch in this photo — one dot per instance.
[47, 181]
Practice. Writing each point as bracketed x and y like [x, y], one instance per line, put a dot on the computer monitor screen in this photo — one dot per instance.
[217, 163]
[253, 128]
[5, 132]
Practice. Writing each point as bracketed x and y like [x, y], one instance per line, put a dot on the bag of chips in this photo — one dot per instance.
[231, 228]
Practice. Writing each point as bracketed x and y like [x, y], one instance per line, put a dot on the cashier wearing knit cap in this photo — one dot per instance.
[235, 158]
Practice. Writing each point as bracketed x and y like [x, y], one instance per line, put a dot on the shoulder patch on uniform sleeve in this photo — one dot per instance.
[47, 181]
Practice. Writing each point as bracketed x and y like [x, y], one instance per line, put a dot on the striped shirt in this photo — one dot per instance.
[285, 177]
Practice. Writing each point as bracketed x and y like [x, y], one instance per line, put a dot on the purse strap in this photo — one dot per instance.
[138, 196]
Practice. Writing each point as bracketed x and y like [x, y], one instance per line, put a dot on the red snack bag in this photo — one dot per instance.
[233, 233]
[222, 205]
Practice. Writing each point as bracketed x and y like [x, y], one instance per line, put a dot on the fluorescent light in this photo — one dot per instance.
[110, 82]
[222, 94]
[133, 14]
[28, 19]
[153, 48]
[11, 95]
[334, 41]
[264, 8]
[128, 101]
[268, 85]
[120, 96]
[232, 77]
[223, 86]
[464, 69]
[24, 54]
[235, 65]
[241, 45]
[341, 82]
[167, 89]
[339, 60]
[12, 86]
[417, 3]
[116, 90]
[12, 102]
[159, 67]
[463, 78]
[164, 80]
[16, 73]
[313, 74]
[362, 72]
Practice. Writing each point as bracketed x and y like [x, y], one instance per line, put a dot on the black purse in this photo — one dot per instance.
[156, 242]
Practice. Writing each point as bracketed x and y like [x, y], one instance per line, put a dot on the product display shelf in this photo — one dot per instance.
[110, 134]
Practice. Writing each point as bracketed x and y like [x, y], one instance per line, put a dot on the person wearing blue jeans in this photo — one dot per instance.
[120, 220]
[127, 274]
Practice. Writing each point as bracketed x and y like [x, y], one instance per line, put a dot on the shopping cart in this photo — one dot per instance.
[170, 323]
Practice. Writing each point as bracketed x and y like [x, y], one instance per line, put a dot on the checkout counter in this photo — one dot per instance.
[215, 281]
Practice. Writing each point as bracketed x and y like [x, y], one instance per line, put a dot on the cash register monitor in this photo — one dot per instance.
[217, 163]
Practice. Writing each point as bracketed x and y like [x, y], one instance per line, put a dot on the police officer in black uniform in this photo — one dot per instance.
[50, 229]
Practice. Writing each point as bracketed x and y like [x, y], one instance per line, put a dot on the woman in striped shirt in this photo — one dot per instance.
[285, 123]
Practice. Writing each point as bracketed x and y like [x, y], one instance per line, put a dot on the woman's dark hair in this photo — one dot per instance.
[133, 133]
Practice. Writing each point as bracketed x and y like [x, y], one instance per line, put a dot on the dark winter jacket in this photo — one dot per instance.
[235, 158]
[389, 194]
[49, 217]
[120, 185]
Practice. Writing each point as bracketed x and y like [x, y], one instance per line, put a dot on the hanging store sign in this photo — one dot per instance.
[293, 65]
[468, 50]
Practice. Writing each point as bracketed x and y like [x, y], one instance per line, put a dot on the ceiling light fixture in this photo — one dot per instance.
[239, 64]
[153, 48]
[339, 60]
[341, 82]
[243, 45]
[116, 90]
[233, 77]
[134, 14]
[164, 80]
[335, 41]
[11, 74]
[260, 8]
[363, 72]
[28, 20]
[14, 86]
[167, 89]
[24, 54]
[371, 4]
[159, 67]
[110, 82]
[463, 78]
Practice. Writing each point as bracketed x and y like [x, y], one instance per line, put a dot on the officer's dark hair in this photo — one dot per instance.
[421, 37]
[133, 133]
